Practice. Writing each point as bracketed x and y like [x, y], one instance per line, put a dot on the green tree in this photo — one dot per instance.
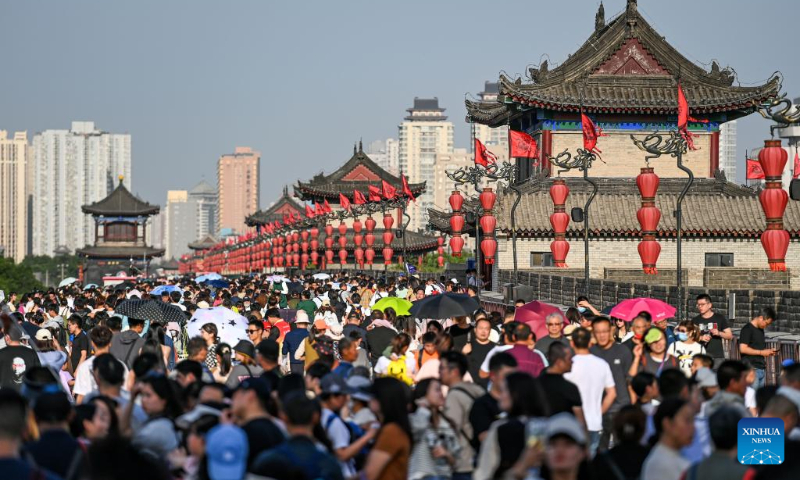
[43, 264]
[17, 278]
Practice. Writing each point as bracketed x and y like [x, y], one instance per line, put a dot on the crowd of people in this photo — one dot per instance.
[328, 384]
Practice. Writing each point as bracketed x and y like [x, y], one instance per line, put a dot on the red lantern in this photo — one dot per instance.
[456, 245]
[369, 238]
[304, 246]
[487, 198]
[358, 238]
[329, 230]
[440, 261]
[457, 223]
[342, 228]
[343, 256]
[387, 255]
[649, 250]
[329, 255]
[314, 244]
[296, 259]
[440, 250]
[359, 254]
[647, 182]
[342, 241]
[328, 242]
[488, 224]
[314, 232]
[370, 224]
[456, 201]
[357, 226]
[388, 221]
[304, 260]
[388, 236]
[314, 257]
[440, 241]
[370, 254]
[295, 237]
[488, 248]
[304, 235]
[776, 243]
[559, 220]
[775, 238]
[648, 218]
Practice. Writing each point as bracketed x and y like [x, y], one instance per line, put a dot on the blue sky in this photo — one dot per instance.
[300, 81]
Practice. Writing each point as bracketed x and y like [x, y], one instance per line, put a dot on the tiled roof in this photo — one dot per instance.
[624, 67]
[120, 252]
[206, 242]
[120, 202]
[262, 217]
[331, 185]
[711, 208]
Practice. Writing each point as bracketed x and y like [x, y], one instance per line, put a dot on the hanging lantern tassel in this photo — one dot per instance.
[774, 199]
[559, 220]
[649, 216]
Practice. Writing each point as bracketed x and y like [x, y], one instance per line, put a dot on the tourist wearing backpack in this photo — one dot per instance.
[397, 362]
[460, 397]
[347, 439]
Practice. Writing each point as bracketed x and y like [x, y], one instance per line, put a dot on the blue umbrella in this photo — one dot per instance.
[207, 277]
[218, 283]
[89, 286]
[165, 288]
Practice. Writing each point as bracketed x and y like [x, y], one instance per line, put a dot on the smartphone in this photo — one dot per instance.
[535, 432]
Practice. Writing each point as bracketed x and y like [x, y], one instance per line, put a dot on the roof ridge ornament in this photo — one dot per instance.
[600, 18]
[631, 13]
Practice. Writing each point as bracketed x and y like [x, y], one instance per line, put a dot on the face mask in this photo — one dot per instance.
[582, 309]
[683, 336]
[638, 336]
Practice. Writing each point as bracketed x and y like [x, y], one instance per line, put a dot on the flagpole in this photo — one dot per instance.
[511, 185]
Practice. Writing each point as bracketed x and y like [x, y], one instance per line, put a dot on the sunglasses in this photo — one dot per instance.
[554, 324]
[252, 331]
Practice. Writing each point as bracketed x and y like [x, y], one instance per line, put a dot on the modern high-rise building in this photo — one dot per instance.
[71, 168]
[496, 138]
[385, 154]
[727, 149]
[238, 185]
[13, 195]
[179, 222]
[424, 134]
[203, 198]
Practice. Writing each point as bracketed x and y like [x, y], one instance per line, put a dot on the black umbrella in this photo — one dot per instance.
[154, 310]
[446, 305]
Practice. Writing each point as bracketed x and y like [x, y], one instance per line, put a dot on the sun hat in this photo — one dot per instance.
[320, 324]
[245, 348]
[653, 336]
[301, 317]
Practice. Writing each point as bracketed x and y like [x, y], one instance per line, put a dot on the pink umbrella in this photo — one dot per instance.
[628, 309]
[535, 315]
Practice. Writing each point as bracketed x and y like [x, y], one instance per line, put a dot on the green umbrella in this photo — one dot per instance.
[399, 305]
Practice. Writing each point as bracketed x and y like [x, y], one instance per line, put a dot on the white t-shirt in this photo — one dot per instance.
[339, 435]
[84, 380]
[684, 352]
[592, 375]
[664, 463]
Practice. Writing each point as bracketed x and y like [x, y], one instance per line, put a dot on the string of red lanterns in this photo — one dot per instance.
[456, 223]
[440, 251]
[774, 199]
[388, 237]
[559, 220]
[649, 216]
[488, 224]
[370, 223]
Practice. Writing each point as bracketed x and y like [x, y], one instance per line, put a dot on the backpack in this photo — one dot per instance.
[397, 369]
[355, 433]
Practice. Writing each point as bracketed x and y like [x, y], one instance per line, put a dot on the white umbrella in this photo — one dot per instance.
[276, 278]
[321, 276]
[67, 281]
[231, 327]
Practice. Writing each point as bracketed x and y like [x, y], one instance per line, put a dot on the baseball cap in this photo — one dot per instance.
[320, 324]
[653, 336]
[245, 347]
[44, 335]
[228, 459]
[301, 317]
[565, 424]
[359, 388]
[705, 377]
[268, 348]
[333, 383]
[326, 302]
[257, 384]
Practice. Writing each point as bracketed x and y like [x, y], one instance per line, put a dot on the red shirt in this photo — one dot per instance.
[527, 360]
[282, 327]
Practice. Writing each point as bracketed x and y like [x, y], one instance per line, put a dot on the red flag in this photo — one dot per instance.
[358, 198]
[482, 155]
[388, 191]
[754, 170]
[522, 145]
[326, 207]
[285, 221]
[796, 165]
[344, 202]
[684, 118]
[374, 194]
[406, 189]
[591, 133]
[318, 210]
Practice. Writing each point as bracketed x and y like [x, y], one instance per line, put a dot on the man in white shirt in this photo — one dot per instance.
[592, 375]
[84, 380]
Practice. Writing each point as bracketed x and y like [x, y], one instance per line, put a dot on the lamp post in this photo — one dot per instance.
[674, 145]
[583, 162]
[494, 172]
